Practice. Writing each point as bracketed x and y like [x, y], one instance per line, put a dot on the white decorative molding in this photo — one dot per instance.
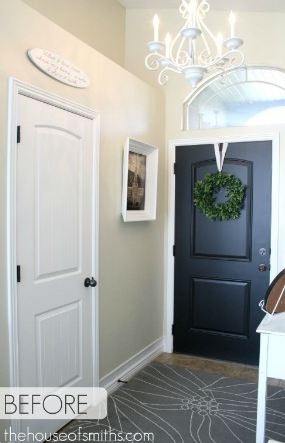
[133, 365]
[58, 67]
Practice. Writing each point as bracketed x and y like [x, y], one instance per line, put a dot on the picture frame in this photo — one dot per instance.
[139, 194]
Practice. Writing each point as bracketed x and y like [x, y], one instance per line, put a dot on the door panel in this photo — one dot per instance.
[54, 248]
[229, 296]
[218, 284]
[207, 235]
[59, 333]
[57, 216]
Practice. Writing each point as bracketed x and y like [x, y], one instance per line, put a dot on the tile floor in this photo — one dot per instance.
[227, 369]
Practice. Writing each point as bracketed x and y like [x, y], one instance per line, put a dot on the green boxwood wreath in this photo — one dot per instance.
[204, 196]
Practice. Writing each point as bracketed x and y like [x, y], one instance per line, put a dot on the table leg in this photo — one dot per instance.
[262, 389]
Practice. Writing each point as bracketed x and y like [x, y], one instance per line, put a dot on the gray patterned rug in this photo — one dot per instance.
[179, 405]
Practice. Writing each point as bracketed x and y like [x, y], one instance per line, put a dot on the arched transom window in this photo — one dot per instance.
[252, 95]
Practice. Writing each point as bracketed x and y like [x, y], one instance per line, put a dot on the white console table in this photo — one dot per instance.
[271, 363]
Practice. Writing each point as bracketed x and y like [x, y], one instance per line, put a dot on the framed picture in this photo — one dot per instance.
[139, 181]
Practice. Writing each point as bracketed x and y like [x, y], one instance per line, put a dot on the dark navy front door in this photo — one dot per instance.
[219, 280]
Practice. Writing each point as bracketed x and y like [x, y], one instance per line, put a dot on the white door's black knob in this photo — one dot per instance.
[90, 282]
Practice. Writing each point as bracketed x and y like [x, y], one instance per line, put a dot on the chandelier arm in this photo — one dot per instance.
[178, 35]
[207, 47]
[202, 11]
[163, 77]
[204, 27]
[181, 54]
[174, 68]
[204, 7]
[152, 61]
[180, 51]
[206, 58]
[185, 10]
[229, 59]
[238, 53]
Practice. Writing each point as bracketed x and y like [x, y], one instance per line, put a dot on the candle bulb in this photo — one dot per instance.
[156, 27]
[232, 21]
[219, 42]
[167, 45]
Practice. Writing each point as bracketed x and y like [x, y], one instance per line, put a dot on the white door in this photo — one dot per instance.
[55, 245]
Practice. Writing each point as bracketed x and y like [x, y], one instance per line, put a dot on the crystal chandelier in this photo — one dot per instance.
[181, 54]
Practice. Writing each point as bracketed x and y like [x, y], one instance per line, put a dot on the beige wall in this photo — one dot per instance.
[99, 23]
[131, 254]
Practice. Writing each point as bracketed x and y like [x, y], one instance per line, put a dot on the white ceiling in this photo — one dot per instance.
[237, 5]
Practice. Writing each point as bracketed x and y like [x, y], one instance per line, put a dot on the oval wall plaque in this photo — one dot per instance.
[58, 68]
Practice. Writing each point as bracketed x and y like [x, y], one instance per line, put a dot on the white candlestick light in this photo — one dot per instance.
[167, 45]
[220, 41]
[156, 28]
[232, 21]
[194, 51]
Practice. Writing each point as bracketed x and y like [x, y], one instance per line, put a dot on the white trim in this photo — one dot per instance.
[95, 250]
[131, 366]
[170, 234]
[17, 88]
[151, 153]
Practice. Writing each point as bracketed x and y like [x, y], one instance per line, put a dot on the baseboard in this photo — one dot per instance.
[130, 367]
[168, 344]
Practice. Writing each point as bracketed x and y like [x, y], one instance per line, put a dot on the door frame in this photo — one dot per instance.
[16, 88]
[259, 135]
